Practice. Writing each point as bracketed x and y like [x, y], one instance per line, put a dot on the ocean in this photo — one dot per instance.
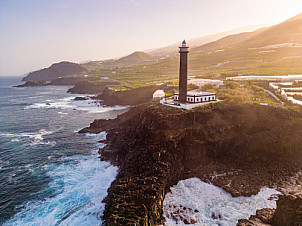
[50, 174]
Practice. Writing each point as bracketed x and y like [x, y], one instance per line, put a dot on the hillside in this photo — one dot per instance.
[194, 42]
[227, 41]
[289, 31]
[54, 71]
[134, 58]
[275, 50]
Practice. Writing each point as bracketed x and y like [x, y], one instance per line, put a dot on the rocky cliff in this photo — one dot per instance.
[239, 148]
[54, 71]
[129, 97]
[32, 83]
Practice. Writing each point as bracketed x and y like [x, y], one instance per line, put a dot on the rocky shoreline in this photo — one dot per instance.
[240, 148]
[33, 83]
[287, 213]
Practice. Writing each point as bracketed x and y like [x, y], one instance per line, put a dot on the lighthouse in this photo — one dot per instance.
[187, 99]
[183, 72]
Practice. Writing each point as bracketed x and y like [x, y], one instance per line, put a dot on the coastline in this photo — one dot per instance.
[153, 155]
[67, 179]
[155, 147]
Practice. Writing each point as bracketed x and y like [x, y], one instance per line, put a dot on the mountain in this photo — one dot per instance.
[275, 50]
[227, 41]
[297, 17]
[54, 71]
[134, 58]
[199, 41]
[290, 31]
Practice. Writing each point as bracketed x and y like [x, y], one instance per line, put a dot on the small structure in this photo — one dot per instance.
[197, 97]
[158, 95]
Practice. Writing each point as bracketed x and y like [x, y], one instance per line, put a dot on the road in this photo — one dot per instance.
[271, 93]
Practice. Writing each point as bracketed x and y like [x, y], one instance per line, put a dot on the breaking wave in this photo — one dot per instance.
[214, 205]
[31, 138]
[78, 186]
[92, 106]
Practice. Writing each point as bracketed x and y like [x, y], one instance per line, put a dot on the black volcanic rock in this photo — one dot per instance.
[156, 146]
[32, 83]
[289, 210]
[54, 71]
[129, 97]
[262, 217]
[287, 213]
[81, 98]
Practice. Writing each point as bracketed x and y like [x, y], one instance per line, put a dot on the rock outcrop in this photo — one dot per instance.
[239, 148]
[262, 217]
[129, 97]
[287, 213]
[32, 83]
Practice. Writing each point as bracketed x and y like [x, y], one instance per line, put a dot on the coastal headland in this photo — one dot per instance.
[250, 141]
[240, 148]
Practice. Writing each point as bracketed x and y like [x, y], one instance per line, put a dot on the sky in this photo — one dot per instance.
[36, 33]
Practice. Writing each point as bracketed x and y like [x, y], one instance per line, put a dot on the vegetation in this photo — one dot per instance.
[270, 51]
[242, 93]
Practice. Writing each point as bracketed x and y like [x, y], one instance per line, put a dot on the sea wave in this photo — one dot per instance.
[214, 205]
[78, 186]
[91, 106]
[31, 138]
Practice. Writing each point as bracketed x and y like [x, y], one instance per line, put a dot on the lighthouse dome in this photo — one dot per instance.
[184, 44]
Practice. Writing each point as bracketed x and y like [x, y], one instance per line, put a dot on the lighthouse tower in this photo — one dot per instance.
[183, 72]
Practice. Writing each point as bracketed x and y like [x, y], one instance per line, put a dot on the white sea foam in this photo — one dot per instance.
[62, 113]
[31, 138]
[79, 185]
[96, 136]
[92, 106]
[211, 200]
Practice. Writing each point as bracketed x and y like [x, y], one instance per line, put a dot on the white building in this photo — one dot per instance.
[158, 95]
[281, 78]
[197, 97]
